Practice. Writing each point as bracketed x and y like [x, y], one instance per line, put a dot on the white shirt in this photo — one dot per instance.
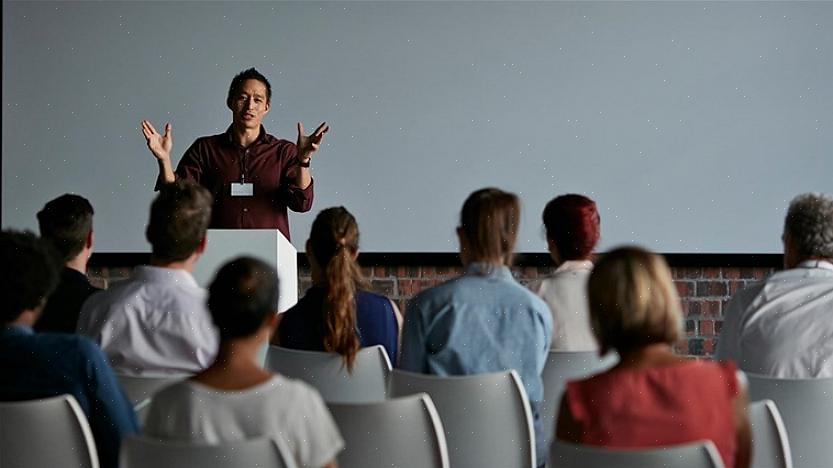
[783, 326]
[155, 323]
[288, 411]
[565, 292]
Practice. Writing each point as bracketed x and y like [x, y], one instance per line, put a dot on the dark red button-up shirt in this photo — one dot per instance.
[216, 161]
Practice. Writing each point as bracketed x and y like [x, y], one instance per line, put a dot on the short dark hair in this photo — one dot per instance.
[66, 222]
[240, 78]
[489, 219]
[29, 272]
[572, 223]
[242, 295]
[179, 218]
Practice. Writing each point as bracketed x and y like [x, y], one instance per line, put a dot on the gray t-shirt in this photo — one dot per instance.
[286, 410]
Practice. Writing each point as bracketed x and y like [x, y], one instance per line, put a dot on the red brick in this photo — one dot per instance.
[379, 272]
[687, 273]
[706, 327]
[711, 273]
[427, 272]
[684, 288]
[711, 289]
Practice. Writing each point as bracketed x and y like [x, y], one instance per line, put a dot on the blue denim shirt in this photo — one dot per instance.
[40, 365]
[483, 321]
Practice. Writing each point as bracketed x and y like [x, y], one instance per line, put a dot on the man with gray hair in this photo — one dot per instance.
[783, 326]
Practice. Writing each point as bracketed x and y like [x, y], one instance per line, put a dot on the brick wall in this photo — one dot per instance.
[704, 291]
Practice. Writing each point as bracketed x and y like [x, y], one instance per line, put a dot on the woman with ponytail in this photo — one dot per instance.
[337, 314]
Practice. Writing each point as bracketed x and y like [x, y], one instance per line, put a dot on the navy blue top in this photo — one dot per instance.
[41, 365]
[303, 326]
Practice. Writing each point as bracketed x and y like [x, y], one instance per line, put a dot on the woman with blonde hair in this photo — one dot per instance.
[653, 397]
[337, 314]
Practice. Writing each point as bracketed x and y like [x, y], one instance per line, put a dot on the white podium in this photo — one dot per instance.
[268, 245]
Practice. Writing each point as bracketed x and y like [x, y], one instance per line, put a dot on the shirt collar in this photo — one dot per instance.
[166, 275]
[823, 264]
[261, 137]
[488, 270]
[571, 265]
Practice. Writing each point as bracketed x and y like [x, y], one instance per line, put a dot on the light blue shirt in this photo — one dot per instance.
[481, 322]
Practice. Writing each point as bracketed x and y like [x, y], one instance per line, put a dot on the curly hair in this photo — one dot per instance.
[66, 222]
[29, 272]
[809, 222]
[242, 295]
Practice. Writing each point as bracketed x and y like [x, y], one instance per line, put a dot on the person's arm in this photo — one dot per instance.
[306, 146]
[111, 415]
[567, 429]
[160, 146]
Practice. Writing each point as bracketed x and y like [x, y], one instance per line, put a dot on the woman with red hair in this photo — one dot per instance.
[572, 229]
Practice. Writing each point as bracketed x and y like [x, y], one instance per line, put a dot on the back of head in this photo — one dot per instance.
[179, 218]
[334, 242]
[572, 223]
[633, 302]
[809, 222]
[243, 294]
[66, 222]
[29, 273]
[489, 221]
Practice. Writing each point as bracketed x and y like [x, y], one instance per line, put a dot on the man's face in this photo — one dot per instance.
[249, 105]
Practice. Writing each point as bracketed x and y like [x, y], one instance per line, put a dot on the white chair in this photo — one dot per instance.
[562, 366]
[700, 454]
[327, 373]
[770, 446]
[806, 406]
[47, 432]
[142, 452]
[402, 432]
[486, 417]
[137, 389]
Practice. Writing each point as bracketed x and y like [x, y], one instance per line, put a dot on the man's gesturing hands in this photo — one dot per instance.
[159, 145]
[306, 144]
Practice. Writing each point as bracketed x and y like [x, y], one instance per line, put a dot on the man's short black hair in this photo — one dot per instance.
[28, 275]
[242, 295]
[66, 222]
[240, 78]
[179, 218]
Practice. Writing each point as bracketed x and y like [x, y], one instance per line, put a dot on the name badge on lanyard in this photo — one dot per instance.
[242, 189]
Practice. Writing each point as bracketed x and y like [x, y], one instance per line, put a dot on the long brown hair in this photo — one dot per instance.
[489, 220]
[334, 242]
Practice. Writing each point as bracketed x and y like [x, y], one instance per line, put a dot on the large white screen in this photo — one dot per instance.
[691, 123]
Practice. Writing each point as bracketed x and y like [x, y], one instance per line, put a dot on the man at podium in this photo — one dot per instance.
[253, 176]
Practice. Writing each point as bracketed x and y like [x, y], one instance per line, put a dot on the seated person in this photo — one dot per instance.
[156, 323]
[652, 397]
[67, 223]
[40, 365]
[572, 224]
[235, 398]
[338, 314]
[783, 326]
[482, 321]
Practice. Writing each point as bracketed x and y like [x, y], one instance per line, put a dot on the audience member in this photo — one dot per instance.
[652, 397]
[783, 326]
[482, 321]
[235, 398]
[338, 314]
[572, 226]
[67, 222]
[40, 365]
[156, 322]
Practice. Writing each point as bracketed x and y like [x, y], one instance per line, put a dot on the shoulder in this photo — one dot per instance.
[368, 298]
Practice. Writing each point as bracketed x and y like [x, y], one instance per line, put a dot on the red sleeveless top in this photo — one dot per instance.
[657, 406]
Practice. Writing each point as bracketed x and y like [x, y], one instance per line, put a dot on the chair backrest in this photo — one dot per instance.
[142, 452]
[562, 366]
[486, 417]
[326, 372]
[403, 432]
[700, 454]
[770, 446]
[806, 406]
[140, 388]
[47, 432]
